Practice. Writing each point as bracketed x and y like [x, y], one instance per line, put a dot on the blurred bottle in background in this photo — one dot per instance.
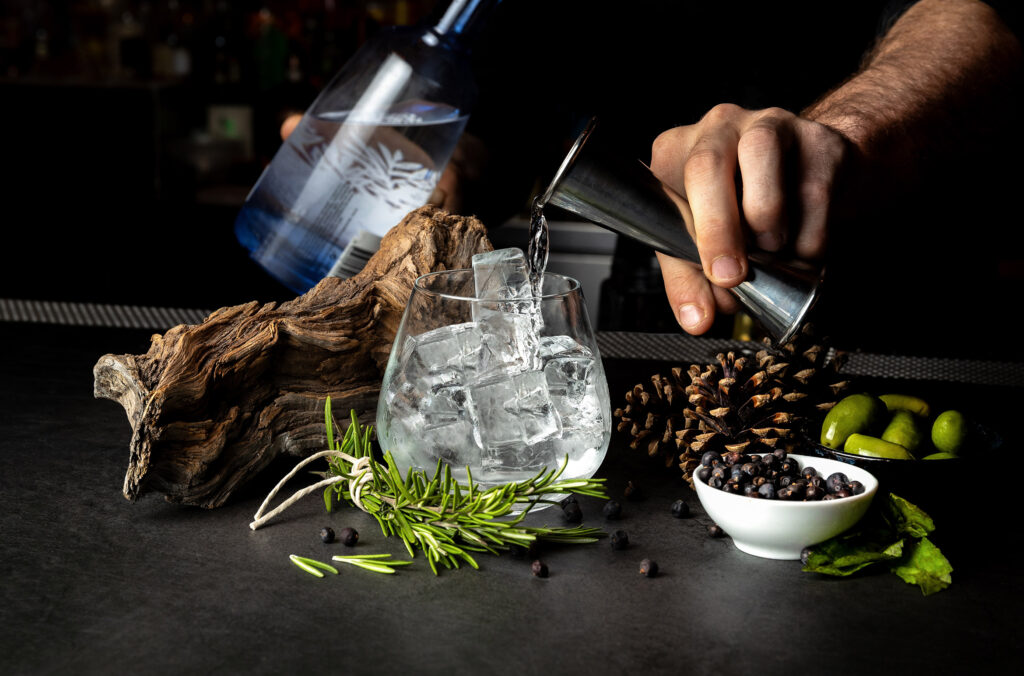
[370, 149]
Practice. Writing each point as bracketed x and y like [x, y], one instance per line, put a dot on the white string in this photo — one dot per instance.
[361, 475]
[356, 483]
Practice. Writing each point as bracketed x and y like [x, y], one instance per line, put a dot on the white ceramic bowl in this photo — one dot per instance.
[780, 529]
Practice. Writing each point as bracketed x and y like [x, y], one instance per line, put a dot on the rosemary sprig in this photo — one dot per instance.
[448, 521]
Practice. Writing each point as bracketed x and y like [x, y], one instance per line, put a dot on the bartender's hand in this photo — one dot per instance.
[934, 86]
[760, 177]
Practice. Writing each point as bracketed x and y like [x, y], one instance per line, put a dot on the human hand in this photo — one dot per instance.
[786, 168]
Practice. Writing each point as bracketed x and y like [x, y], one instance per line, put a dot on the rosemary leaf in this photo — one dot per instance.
[375, 567]
[576, 541]
[329, 424]
[305, 566]
[469, 559]
[346, 557]
[312, 566]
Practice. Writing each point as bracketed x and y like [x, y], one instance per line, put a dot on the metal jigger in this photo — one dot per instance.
[625, 197]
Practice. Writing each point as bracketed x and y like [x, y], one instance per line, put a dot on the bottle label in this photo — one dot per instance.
[368, 173]
[357, 252]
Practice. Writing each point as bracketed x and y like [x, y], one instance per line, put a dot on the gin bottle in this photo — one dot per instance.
[369, 150]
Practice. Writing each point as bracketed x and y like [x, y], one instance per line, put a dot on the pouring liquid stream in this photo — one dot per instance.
[537, 247]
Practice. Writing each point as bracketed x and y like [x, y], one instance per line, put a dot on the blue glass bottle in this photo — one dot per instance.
[369, 150]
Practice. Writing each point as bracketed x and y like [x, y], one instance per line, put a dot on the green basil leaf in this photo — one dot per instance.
[925, 566]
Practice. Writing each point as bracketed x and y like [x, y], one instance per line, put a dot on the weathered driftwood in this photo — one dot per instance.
[211, 405]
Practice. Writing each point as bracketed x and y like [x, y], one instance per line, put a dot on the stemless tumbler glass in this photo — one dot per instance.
[503, 387]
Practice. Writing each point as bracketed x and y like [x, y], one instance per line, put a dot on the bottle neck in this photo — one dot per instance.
[462, 21]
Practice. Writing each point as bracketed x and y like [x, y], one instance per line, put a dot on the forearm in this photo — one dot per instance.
[935, 81]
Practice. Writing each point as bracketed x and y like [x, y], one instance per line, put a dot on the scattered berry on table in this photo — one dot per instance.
[648, 568]
[612, 509]
[327, 534]
[572, 512]
[349, 536]
[716, 531]
[680, 509]
[539, 568]
[620, 539]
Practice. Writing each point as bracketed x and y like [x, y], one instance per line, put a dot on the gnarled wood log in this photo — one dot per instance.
[211, 405]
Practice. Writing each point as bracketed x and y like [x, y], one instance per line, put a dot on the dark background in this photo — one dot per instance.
[123, 176]
[119, 187]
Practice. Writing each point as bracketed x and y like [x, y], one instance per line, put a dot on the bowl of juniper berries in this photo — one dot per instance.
[774, 507]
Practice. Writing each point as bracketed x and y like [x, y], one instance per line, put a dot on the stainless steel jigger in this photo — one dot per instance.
[625, 197]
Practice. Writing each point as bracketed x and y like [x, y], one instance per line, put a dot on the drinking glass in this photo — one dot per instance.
[497, 387]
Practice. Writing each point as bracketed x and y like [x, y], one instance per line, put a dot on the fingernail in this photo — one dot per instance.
[725, 268]
[690, 315]
[769, 241]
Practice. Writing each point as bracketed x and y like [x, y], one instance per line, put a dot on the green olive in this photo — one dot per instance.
[853, 414]
[949, 432]
[905, 402]
[873, 447]
[940, 456]
[903, 430]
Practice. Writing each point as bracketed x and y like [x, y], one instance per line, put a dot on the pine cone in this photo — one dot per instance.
[652, 416]
[749, 404]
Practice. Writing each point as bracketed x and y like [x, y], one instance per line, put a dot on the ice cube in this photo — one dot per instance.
[423, 425]
[585, 423]
[567, 378]
[454, 443]
[402, 423]
[552, 346]
[402, 395]
[494, 411]
[502, 274]
[514, 416]
[444, 406]
[508, 316]
[508, 343]
[441, 357]
[511, 462]
[534, 408]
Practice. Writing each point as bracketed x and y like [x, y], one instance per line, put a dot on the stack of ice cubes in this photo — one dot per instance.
[495, 394]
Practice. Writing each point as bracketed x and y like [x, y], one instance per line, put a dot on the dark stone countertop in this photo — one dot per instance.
[94, 584]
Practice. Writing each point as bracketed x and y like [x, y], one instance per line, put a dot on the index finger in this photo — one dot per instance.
[709, 177]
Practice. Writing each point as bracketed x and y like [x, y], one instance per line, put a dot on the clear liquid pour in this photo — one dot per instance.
[537, 247]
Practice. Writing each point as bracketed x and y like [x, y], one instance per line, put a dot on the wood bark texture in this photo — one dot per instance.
[211, 405]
